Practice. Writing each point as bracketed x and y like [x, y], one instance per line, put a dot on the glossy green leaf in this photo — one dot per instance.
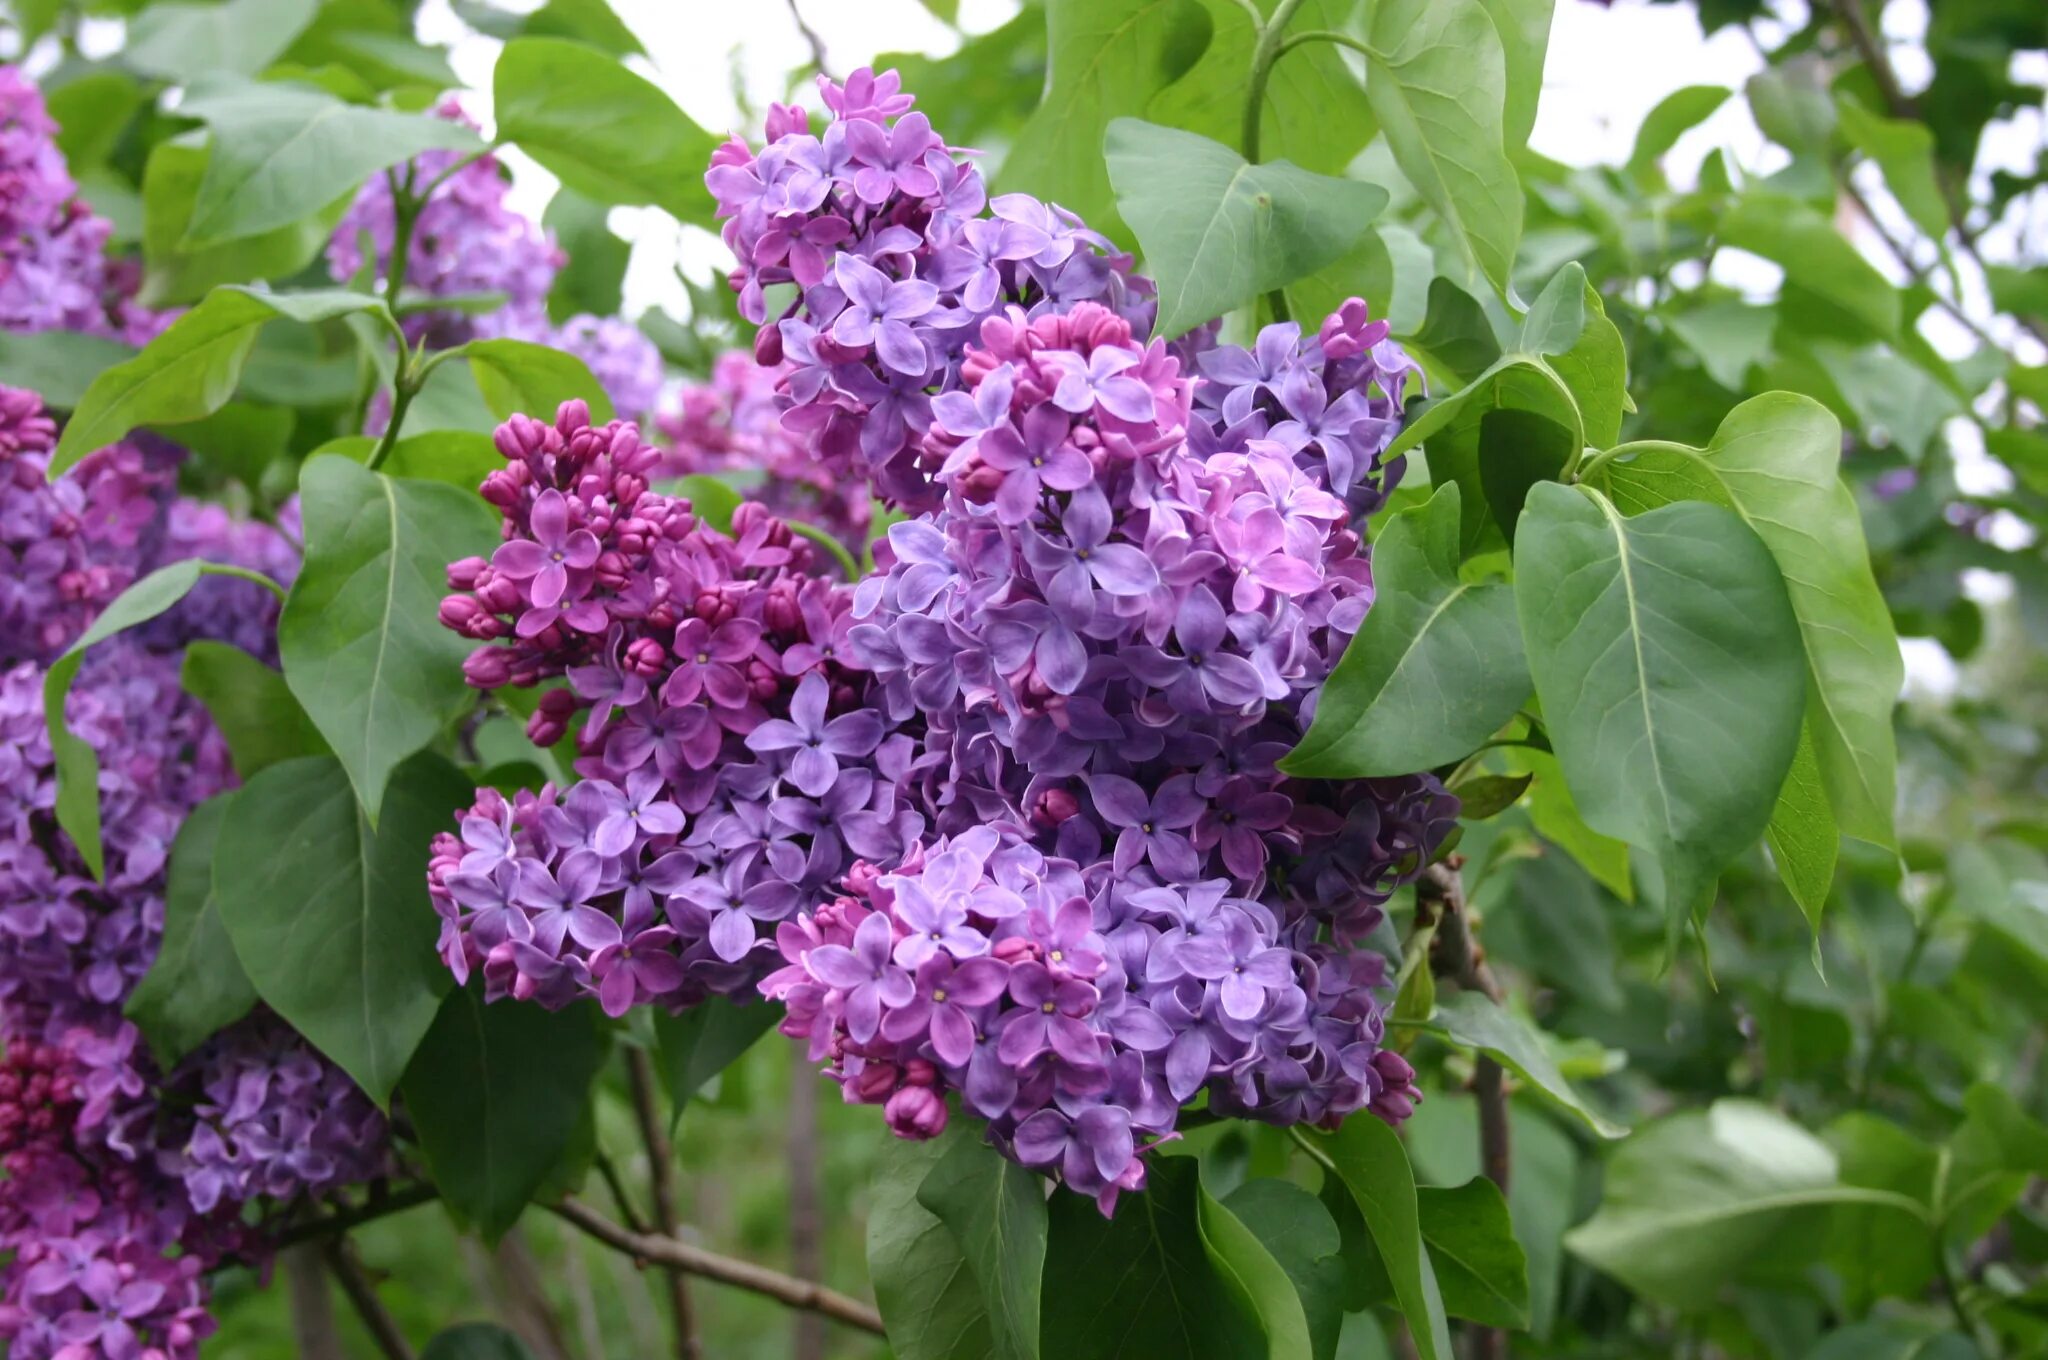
[1668, 661]
[1471, 1021]
[590, 281]
[1244, 1259]
[1217, 231]
[1367, 1156]
[605, 132]
[1434, 78]
[190, 370]
[1435, 669]
[695, 1046]
[1479, 1265]
[196, 984]
[589, 21]
[1775, 461]
[77, 764]
[58, 366]
[182, 42]
[1456, 341]
[995, 1210]
[280, 152]
[330, 915]
[495, 1093]
[1302, 1238]
[460, 458]
[1144, 1281]
[924, 1289]
[520, 377]
[1729, 338]
[1556, 818]
[359, 637]
[1709, 1196]
[1518, 449]
[91, 113]
[175, 272]
[250, 704]
[1108, 58]
[1489, 795]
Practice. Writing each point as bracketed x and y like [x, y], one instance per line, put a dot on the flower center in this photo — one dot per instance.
[703, 658]
[939, 995]
[1048, 1008]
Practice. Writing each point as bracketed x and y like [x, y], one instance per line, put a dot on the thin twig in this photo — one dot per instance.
[811, 39]
[383, 1330]
[312, 1306]
[689, 1259]
[610, 1172]
[1465, 964]
[661, 1174]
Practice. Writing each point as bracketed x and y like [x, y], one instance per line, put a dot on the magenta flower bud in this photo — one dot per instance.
[645, 657]
[501, 489]
[1055, 806]
[875, 1082]
[499, 594]
[768, 346]
[486, 668]
[573, 416]
[463, 574]
[1017, 949]
[1393, 1068]
[918, 1072]
[550, 721]
[1394, 1106]
[458, 612]
[916, 1112]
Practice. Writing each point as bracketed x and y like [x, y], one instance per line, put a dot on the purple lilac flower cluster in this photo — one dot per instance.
[468, 242]
[880, 227]
[1114, 626]
[54, 271]
[733, 423]
[733, 773]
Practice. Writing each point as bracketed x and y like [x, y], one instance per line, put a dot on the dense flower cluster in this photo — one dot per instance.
[732, 424]
[1010, 806]
[469, 244]
[1116, 626]
[880, 228]
[123, 1183]
[54, 270]
[733, 774]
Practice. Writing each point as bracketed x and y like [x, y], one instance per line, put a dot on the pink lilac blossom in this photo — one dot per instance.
[732, 773]
[54, 271]
[732, 423]
[881, 229]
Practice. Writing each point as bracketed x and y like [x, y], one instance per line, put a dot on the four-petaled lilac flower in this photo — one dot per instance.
[558, 902]
[1087, 556]
[946, 992]
[816, 740]
[639, 811]
[1091, 1149]
[629, 969]
[865, 974]
[707, 662]
[935, 925]
[1243, 963]
[879, 311]
[892, 160]
[1098, 380]
[969, 415]
[554, 551]
[1234, 819]
[1204, 670]
[1051, 1012]
[1152, 826]
[1039, 457]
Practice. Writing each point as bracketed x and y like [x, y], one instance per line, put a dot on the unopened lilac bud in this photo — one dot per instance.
[1016, 949]
[875, 1082]
[486, 668]
[916, 1112]
[645, 657]
[1055, 806]
[768, 346]
[550, 720]
[573, 416]
[463, 574]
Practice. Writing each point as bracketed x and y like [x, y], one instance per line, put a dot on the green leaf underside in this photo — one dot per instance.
[250, 704]
[1479, 1265]
[1669, 666]
[330, 916]
[924, 1289]
[359, 637]
[196, 984]
[1303, 1239]
[1435, 669]
[1218, 231]
[517, 376]
[704, 1040]
[495, 1093]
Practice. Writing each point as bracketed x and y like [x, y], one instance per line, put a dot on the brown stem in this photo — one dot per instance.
[362, 1295]
[661, 1173]
[312, 1306]
[526, 1299]
[806, 1237]
[378, 1206]
[1464, 962]
[689, 1259]
[811, 39]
